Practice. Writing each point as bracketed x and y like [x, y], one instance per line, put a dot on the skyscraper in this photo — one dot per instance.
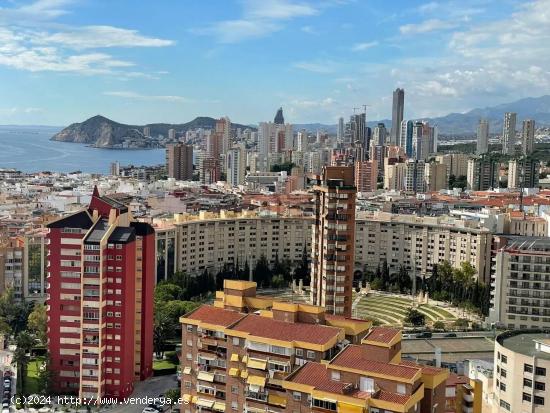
[301, 141]
[101, 269]
[223, 130]
[509, 133]
[366, 175]
[406, 137]
[358, 129]
[482, 145]
[340, 131]
[397, 115]
[236, 165]
[179, 161]
[528, 136]
[523, 173]
[379, 135]
[333, 240]
[415, 176]
[482, 173]
[279, 118]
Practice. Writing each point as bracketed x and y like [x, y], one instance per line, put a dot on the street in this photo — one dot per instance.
[153, 387]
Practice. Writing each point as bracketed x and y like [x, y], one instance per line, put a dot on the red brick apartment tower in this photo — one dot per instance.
[333, 243]
[100, 300]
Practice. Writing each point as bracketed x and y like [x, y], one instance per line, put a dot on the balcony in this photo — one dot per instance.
[468, 397]
[257, 396]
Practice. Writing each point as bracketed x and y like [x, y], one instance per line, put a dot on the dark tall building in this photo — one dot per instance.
[333, 241]
[279, 118]
[358, 129]
[179, 161]
[397, 115]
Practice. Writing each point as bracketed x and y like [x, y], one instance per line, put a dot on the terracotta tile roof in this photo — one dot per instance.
[382, 334]
[280, 330]
[455, 379]
[357, 357]
[392, 397]
[430, 370]
[214, 315]
[318, 376]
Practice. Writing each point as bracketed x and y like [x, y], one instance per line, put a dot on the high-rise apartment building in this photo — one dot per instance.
[358, 123]
[252, 354]
[457, 163]
[406, 137]
[482, 143]
[236, 165]
[523, 173]
[209, 171]
[340, 130]
[379, 136]
[509, 133]
[394, 176]
[415, 180]
[279, 118]
[366, 176]
[223, 130]
[397, 115]
[301, 141]
[482, 173]
[436, 177]
[100, 305]
[528, 137]
[179, 161]
[171, 134]
[333, 240]
[147, 131]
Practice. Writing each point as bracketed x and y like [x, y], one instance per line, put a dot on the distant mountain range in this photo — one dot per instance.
[102, 132]
[461, 124]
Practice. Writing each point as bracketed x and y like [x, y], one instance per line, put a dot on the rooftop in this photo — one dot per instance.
[280, 330]
[213, 315]
[356, 357]
[98, 232]
[382, 334]
[523, 342]
[317, 375]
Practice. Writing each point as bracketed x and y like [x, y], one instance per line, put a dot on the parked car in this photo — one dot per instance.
[149, 410]
[450, 335]
[425, 334]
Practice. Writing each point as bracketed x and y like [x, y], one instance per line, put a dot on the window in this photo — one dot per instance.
[526, 397]
[335, 375]
[540, 386]
[235, 389]
[234, 405]
[505, 405]
[503, 373]
[538, 400]
[540, 371]
[299, 352]
[528, 368]
[189, 328]
[503, 359]
[118, 246]
[190, 343]
[297, 396]
[527, 383]
[401, 389]
[310, 354]
[236, 341]
[502, 386]
[189, 356]
[187, 384]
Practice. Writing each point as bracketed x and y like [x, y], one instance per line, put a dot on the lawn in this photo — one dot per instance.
[33, 372]
[163, 365]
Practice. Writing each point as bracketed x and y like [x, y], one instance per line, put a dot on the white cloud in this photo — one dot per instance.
[31, 40]
[359, 47]
[277, 9]
[427, 26]
[139, 96]
[313, 103]
[309, 30]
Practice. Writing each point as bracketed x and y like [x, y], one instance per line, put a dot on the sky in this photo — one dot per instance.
[137, 62]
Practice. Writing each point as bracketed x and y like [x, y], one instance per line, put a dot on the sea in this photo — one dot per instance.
[29, 149]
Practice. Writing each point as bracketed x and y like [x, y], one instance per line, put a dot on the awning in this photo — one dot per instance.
[351, 408]
[203, 375]
[219, 406]
[205, 403]
[244, 374]
[245, 359]
[251, 409]
[234, 357]
[207, 357]
[256, 364]
[256, 381]
[234, 372]
[187, 370]
[186, 398]
[279, 400]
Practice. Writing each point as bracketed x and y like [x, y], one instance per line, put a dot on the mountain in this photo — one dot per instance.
[460, 124]
[102, 132]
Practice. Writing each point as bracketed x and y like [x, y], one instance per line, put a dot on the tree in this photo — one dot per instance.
[21, 356]
[37, 322]
[302, 270]
[167, 291]
[415, 317]
[46, 377]
[162, 329]
[172, 395]
[439, 325]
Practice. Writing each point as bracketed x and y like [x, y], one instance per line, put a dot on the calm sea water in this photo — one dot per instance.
[30, 150]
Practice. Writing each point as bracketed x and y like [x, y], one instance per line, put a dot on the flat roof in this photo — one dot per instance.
[524, 343]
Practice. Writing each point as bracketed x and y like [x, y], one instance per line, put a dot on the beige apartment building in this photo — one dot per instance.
[193, 243]
[522, 368]
[520, 296]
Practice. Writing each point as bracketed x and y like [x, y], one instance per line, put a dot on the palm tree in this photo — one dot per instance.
[21, 356]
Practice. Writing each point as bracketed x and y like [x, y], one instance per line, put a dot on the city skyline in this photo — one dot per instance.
[63, 61]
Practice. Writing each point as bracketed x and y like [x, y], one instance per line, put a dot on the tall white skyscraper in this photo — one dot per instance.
[482, 145]
[397, 115]
[236, 165]
[340, 130]
[509, 133]
[528, 136]
[301, 141]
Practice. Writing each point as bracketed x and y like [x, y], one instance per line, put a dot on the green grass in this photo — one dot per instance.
[163, 365]
[33, 373]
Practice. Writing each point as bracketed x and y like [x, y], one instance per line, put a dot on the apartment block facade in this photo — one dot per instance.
[252, 354]
[99, 302]
[333, 241]
[520, 293]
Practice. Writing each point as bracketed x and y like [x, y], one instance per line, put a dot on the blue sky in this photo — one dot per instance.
[62, 61]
